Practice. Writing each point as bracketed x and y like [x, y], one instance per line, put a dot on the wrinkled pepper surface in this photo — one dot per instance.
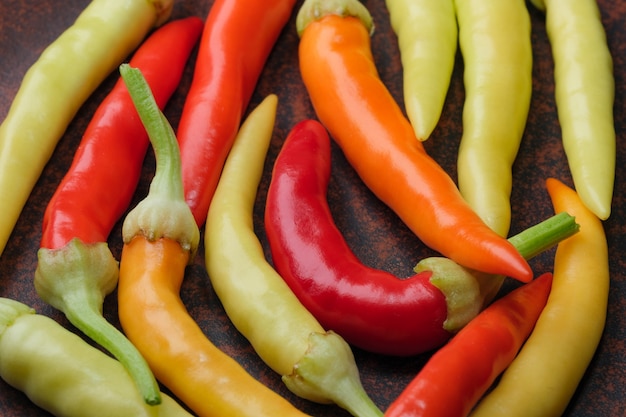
[238, 37]
[494, 38]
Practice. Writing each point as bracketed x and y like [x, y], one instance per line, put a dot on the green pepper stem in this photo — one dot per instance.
[530, 243]
[88, 319]
[543, 236]
[164, 213]
[468, 291]
[312, 10]
[167, 179]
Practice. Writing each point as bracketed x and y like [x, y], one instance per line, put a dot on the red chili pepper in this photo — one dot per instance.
[371, 309]
[99, 185]
[339, 72]
[237, 39]
[357, 302]
[458, 374]
[76, 269]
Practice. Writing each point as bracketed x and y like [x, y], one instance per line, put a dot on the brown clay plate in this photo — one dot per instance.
[373, 231]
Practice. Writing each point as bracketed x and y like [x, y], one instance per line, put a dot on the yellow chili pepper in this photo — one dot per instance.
[57, 84]
[160, 237]
[65, 375]
[314, 364]
[585, 93]
[494, 37]
[542, 379]
[427, 37]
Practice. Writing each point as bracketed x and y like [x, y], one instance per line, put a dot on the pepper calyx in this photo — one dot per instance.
[328, 371]
[75, 279]
[157, 217]
[459, 286]
[312, 10]
[163, 213]
[11, 310]
[89, 269]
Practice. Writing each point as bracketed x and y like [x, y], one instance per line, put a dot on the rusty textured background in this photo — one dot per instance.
[377, 236]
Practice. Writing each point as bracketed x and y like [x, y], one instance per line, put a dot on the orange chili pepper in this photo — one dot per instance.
[155, 319]
[160, 237]
[339, 72]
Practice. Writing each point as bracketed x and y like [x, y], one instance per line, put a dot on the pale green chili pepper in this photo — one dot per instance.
[65, 375]
[427, 37]
[314, 364]
[57, 84]
[494, 37]
[584, 88]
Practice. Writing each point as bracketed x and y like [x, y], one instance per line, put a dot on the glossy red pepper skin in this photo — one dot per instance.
[100, 183]
[371, 309]
[459, 373]
[237, 39]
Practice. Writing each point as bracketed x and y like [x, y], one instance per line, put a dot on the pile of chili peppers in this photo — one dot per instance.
[307, 303]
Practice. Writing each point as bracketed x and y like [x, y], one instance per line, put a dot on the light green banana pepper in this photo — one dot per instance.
[56, 86]
[63, 374]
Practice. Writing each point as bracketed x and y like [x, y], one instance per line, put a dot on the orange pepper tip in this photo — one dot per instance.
[312, 10]
[521, 270]
[553, 185]
[502, 260]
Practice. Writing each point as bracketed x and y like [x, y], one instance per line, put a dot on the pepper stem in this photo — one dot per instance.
[82, 315]
[167, 179]
[75, 279]
[530, 243]
[164, 212]
[543, 236]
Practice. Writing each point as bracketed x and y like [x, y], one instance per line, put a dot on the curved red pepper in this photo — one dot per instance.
[370, 308]
[102, 179]
[237, 39]
[458, 374]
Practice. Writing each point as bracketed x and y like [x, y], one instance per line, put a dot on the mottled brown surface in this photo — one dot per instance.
[377, 236]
